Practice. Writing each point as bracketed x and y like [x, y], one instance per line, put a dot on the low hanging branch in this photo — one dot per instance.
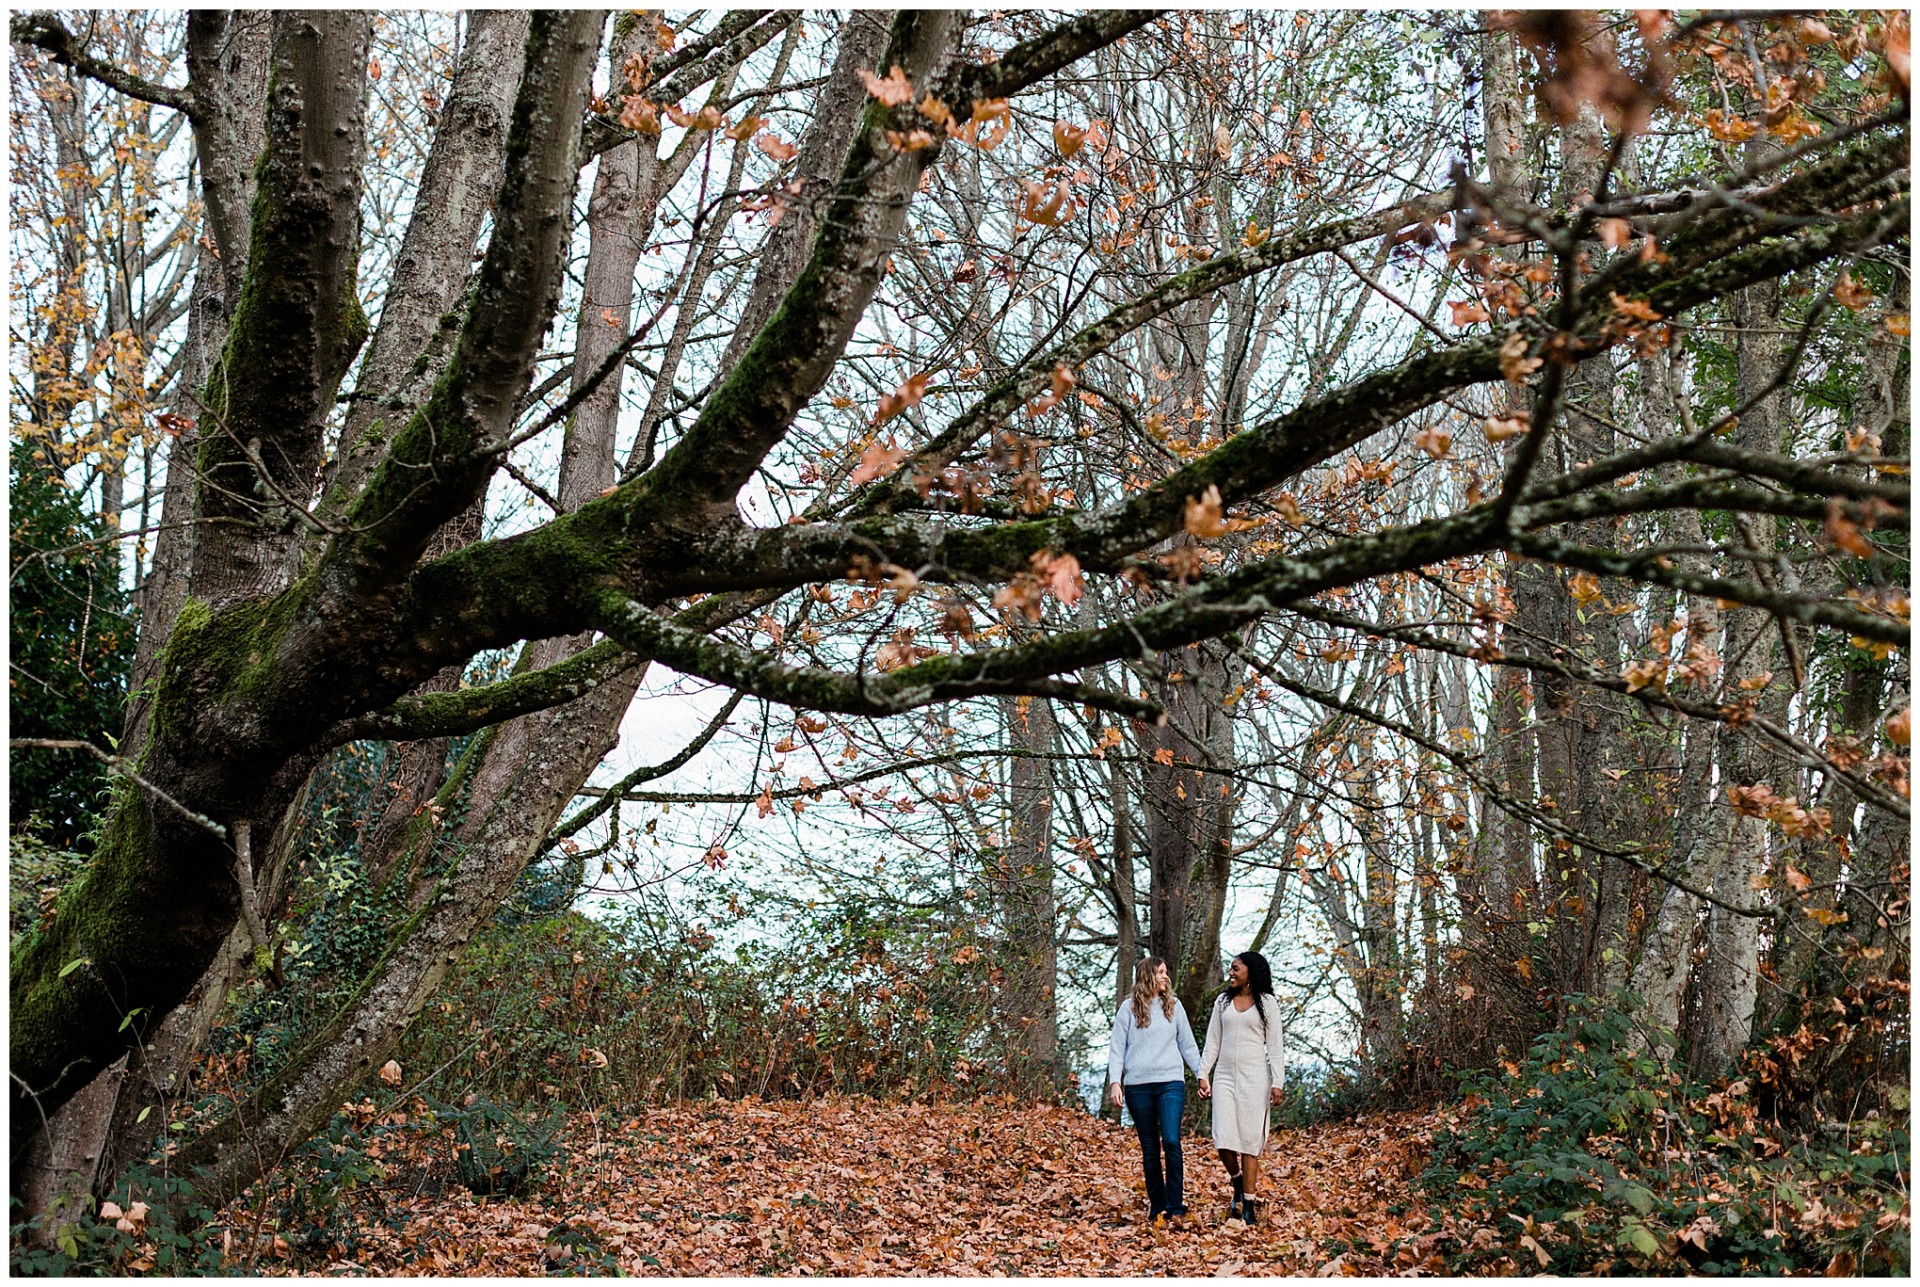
[816, 688]
[119, 768]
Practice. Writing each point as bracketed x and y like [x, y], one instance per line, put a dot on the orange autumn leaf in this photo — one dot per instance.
[776, 147]
[935, 110]
[1515, 365]
[707, 118]
[1850, 293]
[1068, 139]
[1896, 47]
[894, 90]
[1900, 727]
[1468, 311]
[911, 390]
[1844, 532]
[1637, 309]
[1204, 516]
[1503, 428]
[1059, 386]
[1645, 674]
[910, 140]
[1435, 441]
[639, 115]
[1728, 129]
[879, 460]
[1060, 573]
[1036, 205]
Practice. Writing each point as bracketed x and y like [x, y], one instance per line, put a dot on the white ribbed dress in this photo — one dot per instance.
[1244, 1065]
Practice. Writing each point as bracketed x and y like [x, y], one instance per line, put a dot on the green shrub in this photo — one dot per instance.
[169, 1235]
[1596, 1154]
[71, 637]
[37, 872]
[1316, 1094]
[498, 1150]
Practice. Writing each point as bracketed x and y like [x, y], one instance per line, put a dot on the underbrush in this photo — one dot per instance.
[150, 1224]
[1598, 1154]
[584, 1013]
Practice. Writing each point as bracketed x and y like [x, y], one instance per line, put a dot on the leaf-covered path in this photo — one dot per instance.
[859, 1187]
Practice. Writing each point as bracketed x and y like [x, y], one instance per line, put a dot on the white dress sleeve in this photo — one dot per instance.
[1276, 1051]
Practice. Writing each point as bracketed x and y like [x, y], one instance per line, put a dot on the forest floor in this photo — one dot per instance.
[859, 1187]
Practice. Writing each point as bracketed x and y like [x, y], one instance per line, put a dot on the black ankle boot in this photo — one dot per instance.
[1235, 1211]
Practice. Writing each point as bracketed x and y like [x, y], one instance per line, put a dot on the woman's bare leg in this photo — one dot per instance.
[1233, 1162]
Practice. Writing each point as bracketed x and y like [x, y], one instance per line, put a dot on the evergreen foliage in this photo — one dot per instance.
[71, 638]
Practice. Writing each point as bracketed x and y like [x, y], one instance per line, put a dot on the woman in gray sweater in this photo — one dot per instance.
[1151, 1040]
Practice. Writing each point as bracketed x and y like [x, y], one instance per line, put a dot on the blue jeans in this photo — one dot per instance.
[1156, 1107]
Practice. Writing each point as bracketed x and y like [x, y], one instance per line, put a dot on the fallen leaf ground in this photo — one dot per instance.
[848, 1186]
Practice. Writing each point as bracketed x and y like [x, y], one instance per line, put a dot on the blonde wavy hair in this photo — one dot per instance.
[1146, 986]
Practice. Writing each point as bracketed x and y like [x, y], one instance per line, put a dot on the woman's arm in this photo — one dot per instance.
[1276, 1053]
[1183, 1037]
[1117, 1046]
[1212, 1054]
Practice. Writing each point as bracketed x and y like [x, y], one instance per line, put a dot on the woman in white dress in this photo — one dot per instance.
[1246, 1057]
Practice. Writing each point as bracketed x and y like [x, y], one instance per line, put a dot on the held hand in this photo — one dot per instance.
[1206, 1087]
[1114, 1094]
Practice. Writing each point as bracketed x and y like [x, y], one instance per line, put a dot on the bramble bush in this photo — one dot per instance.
[1597, 1154]
[858, 998]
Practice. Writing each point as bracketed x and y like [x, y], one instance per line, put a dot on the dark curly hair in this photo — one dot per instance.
[1259, 983]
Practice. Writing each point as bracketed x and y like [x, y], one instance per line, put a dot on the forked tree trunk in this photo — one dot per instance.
[529, 769]
[227, 64]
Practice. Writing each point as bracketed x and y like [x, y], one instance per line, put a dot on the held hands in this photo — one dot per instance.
[1206, 1087]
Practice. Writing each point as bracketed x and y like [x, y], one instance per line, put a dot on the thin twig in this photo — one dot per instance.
[118, 765]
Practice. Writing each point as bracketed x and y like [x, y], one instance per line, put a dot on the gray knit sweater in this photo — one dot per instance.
[1139, 1055]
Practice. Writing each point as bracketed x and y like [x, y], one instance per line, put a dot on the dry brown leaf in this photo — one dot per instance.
[1061, 575]
[777, 148]
[1435, 441]
[894, 90]
[1515, 365]
[1503, 428]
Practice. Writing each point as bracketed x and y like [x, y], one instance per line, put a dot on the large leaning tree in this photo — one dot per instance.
[322, 577]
